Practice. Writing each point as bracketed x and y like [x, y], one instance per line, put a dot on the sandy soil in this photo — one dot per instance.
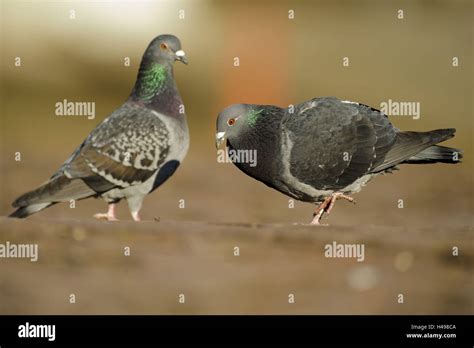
[168, 258]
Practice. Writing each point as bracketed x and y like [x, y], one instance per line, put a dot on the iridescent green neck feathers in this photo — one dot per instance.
[253, 116]
[152, 80]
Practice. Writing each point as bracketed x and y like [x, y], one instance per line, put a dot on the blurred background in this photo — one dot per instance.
[282, 61]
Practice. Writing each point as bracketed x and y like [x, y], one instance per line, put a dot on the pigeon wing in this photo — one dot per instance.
[333, 143]
[125, 150]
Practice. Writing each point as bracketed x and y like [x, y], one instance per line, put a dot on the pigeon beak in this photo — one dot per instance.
[220, 137]
[181, 56]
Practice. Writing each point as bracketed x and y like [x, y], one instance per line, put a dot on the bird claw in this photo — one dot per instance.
[105, 216]
[326, 206]
[339, 195]
[136, 217]
[310, 224]
[109, 216]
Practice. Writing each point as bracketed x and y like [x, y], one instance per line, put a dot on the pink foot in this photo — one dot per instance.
[327, 205]
[109, 216]
[136, 216]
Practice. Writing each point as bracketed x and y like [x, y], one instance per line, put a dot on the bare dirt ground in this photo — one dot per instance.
[169, 258]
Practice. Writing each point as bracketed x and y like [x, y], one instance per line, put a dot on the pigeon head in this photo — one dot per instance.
[155, 82]
[165, 49]
[234, 120]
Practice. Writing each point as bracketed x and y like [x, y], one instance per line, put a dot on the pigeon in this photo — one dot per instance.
[133, 151]
[323, 149]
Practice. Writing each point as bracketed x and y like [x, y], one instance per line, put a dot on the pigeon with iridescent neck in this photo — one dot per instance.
[133, 151]
[324, 149]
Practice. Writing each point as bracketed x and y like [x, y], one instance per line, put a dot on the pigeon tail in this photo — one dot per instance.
[58, 189]
[24, 212]
[437, 154]
[420, 147]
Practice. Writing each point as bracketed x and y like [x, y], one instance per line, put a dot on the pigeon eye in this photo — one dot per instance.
[231, 121]
[164, 46]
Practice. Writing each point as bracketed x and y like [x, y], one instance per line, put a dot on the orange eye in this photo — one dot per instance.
[231, 121]
[164, 46]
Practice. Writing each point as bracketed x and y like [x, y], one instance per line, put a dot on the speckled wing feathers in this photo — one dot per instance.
[126, 149]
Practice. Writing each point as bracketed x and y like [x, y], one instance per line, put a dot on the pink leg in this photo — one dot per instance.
[318, 214]
[335, 196]
[327, 205]
[109, 216]
[136, 216]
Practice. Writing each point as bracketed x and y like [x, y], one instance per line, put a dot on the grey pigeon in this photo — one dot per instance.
[323, 149]
[133, 151]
